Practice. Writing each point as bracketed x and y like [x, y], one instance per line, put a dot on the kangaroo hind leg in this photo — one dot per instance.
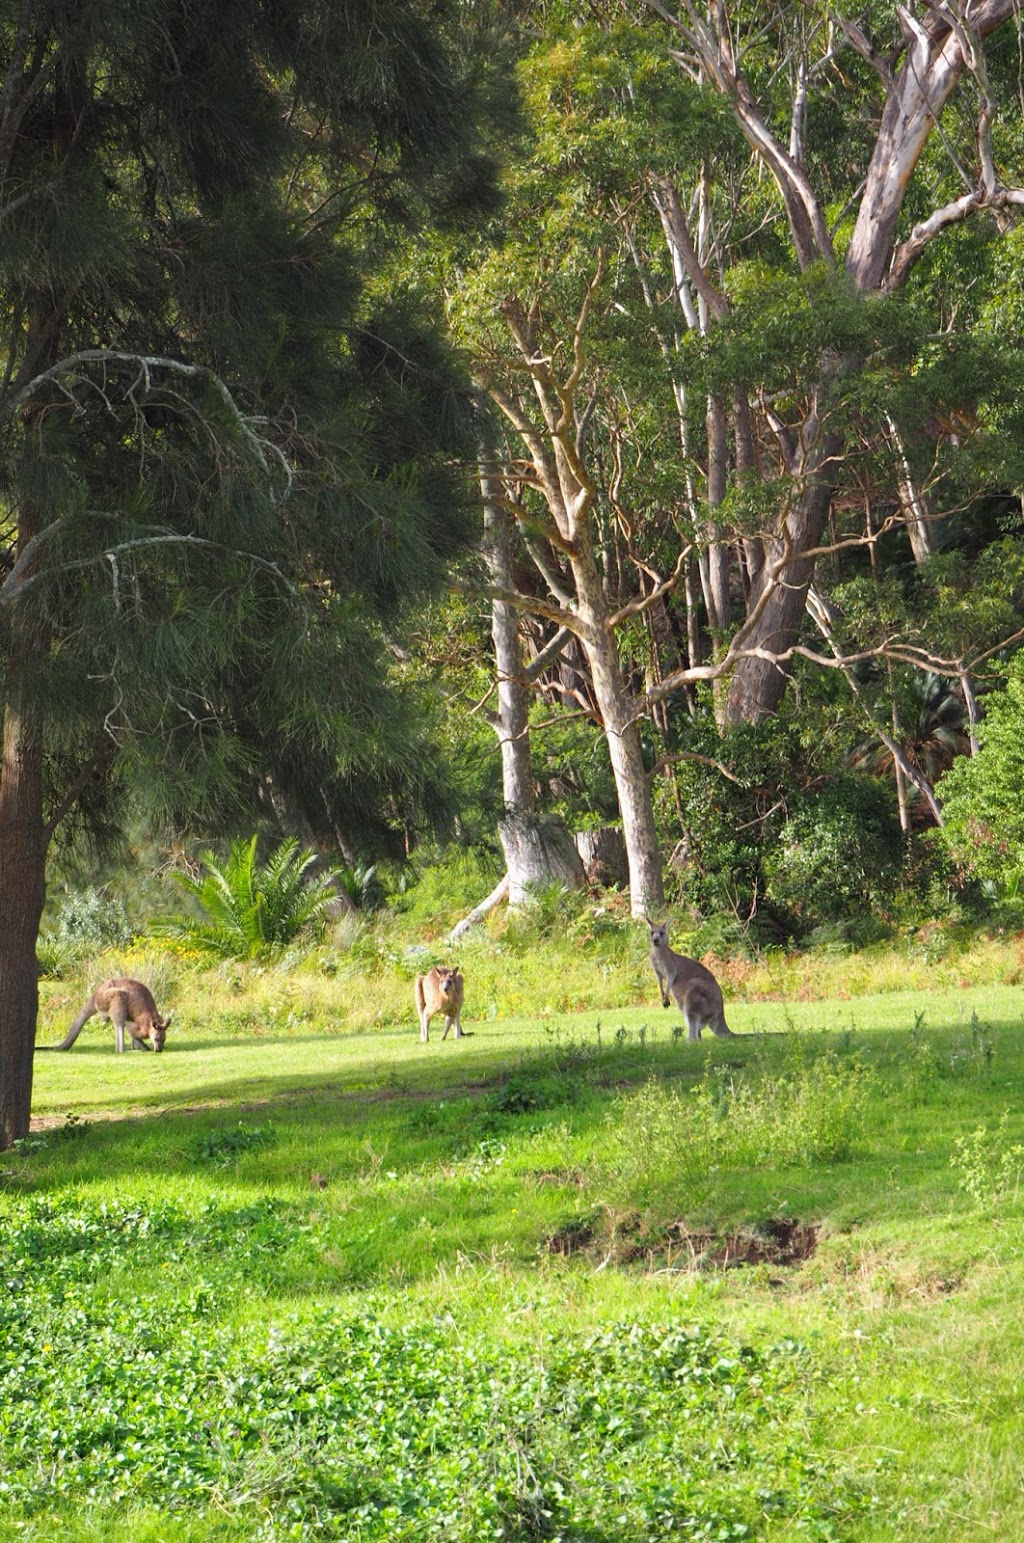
[119, 1016]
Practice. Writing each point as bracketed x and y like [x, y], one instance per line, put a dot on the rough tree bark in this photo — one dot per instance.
[23, 837]
[23, 845]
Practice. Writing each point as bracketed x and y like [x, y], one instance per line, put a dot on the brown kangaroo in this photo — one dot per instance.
[439, 991]
[129, 1005]
[691, 986]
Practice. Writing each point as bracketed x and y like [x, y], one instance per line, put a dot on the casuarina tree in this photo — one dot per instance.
[224, 453]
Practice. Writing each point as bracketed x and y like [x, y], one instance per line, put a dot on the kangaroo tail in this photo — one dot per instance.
[74, 1031]
[721, 1028]
[421, 1000]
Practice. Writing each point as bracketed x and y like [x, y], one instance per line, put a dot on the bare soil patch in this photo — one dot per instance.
[780, 1240]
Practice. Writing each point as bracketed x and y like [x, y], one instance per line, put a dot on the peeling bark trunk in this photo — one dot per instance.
[933, 64]
[632, 783]
[973, 714]
[537, 851]
[758, 683]
[714, 568]
[512, 717]
[603, 855]
[913, 502]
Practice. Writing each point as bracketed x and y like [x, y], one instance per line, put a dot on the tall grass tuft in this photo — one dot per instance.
[803, 1114]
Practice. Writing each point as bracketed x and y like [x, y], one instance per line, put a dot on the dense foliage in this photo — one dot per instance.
[346, 1428]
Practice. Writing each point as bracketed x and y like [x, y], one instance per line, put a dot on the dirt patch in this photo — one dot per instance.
[626, 1240]
[572, 1237]
[780, 1240]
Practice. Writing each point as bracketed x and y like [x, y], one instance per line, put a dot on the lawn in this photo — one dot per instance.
[570, 1277]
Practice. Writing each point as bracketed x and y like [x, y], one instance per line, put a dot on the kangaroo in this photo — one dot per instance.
[129, 1005]
[691, 986]
[439, 991]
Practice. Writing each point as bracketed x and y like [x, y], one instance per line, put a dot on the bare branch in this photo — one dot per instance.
[548, 654]
[680, 243]
[908, 252]
[15, 585]
[532, 605]
[692, 755]
[645, 602]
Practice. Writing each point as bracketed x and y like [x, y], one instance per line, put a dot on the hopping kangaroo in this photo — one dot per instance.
[691, 986]
[129, 1005]
[439, 991]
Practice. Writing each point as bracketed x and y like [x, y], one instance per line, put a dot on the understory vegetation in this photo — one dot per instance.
[302, 1277]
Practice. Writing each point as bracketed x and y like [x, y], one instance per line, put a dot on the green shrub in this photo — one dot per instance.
[250, 909]
[838, 855]
[803, 1114]
[982, 806]
[88, 919]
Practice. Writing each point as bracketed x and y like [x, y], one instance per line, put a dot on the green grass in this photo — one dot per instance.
[293, 1279]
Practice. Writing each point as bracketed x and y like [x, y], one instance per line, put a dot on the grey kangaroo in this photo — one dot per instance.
[129, 1005]
[440, 991]
[690, 985]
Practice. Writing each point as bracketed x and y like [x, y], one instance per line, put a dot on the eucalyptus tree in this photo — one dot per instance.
[559, 332]
[225, 460]
[740, 194]
[880, 136]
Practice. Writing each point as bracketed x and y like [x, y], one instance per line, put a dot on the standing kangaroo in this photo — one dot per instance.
[691, 986]
[129, 1005]
[439, 991]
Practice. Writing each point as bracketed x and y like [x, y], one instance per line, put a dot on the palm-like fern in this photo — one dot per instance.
[249, 909]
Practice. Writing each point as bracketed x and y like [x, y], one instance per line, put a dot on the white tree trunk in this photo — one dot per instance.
[537, 851]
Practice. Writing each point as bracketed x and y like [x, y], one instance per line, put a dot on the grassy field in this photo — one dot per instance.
[569, 1278]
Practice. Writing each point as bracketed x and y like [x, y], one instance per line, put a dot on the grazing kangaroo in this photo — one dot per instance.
[439, 991]
[691, 986]
[129, 1005]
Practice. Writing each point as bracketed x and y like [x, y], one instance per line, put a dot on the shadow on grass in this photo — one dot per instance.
[424, 1101]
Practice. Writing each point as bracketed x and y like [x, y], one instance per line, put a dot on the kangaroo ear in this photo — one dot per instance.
[167, 1020]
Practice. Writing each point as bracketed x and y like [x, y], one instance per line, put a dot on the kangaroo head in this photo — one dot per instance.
[659, 933]
[158, 1032]
[446, 978]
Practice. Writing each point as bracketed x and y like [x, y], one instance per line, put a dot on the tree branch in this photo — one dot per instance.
[645, 602]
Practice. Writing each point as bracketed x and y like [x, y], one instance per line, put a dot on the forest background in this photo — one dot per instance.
[507, 448]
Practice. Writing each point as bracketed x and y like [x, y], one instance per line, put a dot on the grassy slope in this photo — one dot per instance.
[513, 1192]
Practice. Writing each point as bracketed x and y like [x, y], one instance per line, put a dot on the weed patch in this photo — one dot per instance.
[988, 1166]
[221, 1147]
[802, 1114]
[332, 1427]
